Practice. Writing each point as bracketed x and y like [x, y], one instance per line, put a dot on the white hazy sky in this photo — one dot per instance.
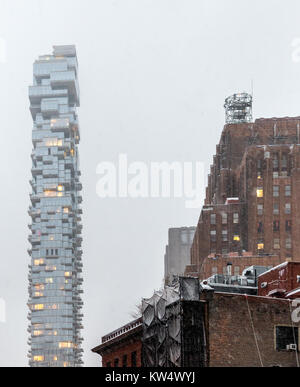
[153, 78]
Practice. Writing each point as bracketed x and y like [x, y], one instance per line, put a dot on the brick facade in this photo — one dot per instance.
[257, 165]
[232, 336]
[122, 348]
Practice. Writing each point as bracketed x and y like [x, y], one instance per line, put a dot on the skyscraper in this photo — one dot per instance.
[55, 270]
[250, 215]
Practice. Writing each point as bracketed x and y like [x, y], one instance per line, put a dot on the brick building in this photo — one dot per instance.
[252, 198]
[194, 325]
[123, 347]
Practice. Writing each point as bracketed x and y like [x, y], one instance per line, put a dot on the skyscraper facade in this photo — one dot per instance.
[56, 257]
[251, 211]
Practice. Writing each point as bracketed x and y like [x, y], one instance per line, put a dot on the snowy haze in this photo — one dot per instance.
[153, 79]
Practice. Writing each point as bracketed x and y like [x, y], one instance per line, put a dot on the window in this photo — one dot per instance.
[213, 235]
[214, 270]
[38, 358]
[39, 307]
[276, 226]
[225, 236]
[275, 191]
[236, 238]
[288, 225]
[260, 246]
[275, 161]
[213, 219]
[288, 190]
[124, 361]
[285, 336]
[276, 209]
[288, 243]
[260, 228]
[275, 175]
[276, 243]
[260, 209]
[224, 218]
[116, 363]
[260, 193]
[134, 359]
[288, 208]
[235, 218]
[108, 364]
[236, 270]
[224, 251]
[284, 162]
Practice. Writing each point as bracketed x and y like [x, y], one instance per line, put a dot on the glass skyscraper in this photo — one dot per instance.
[56, 257]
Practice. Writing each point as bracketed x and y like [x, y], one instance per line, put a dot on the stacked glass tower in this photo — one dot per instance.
[55, 270]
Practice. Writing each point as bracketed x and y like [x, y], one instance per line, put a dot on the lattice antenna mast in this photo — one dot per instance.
[238, 108]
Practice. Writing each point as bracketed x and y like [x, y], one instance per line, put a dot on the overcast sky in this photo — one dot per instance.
[153, 76]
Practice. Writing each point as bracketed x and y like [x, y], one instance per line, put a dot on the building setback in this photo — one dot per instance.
[178, 251]
[251, 206]
[55, 270]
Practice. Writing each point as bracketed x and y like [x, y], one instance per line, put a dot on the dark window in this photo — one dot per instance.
[108, 365]
[124, 362]
[133, 359]
[288, 225]
[286, 336]
[56, 251]
[116, 363]
[276, 226]
[260, 227]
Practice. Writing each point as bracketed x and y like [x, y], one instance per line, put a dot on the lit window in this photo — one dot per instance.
[51, 237]
[260, 246]
[55, 358]
[68, 274]
[260, 193]
[236, 238]
[39, 306]
[66, 344]
[66, 210]
[38, 358]
[60, 188]
[37, 333]
[38, 262]
[49, 280]
[38, 294]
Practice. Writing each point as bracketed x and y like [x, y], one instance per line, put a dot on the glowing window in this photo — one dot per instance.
[49, 280]
[236, 238]
[66, 344]
[38, 358]
[37, 333]
[66, 210]
[39, 306]
[60, 188]
[260, 246]
[260, 193]
[68, 274]
[55, 358]
[38, 262]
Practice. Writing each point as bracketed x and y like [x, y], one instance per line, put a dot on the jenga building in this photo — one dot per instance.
[251, 214]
